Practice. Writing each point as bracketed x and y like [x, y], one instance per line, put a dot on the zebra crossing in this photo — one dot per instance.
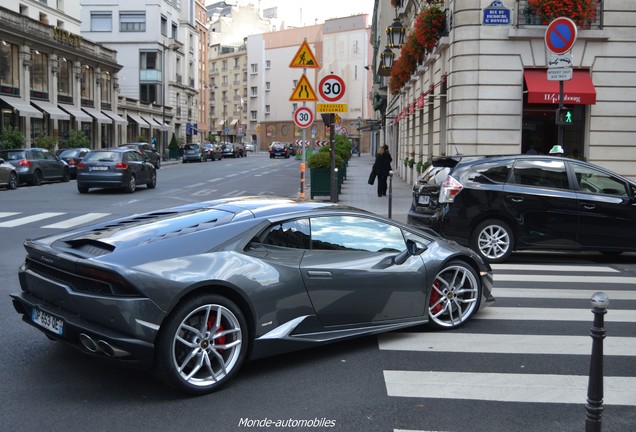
[528, 297]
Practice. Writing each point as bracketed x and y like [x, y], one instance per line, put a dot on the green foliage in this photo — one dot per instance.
[45, 141]
[422, 166]
[77, 138]
[211, 138]
[141, 138]
[11, 138]
[174, 144]
[322, 159]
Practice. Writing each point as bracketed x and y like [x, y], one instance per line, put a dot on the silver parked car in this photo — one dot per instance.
[35, 165]
[196, 290]
[8, 175]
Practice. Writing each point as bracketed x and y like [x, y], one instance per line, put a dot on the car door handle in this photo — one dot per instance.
[319, 274]
[515, 198]
[588, 206]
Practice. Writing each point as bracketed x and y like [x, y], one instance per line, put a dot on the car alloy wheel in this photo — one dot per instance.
[493, 241]
[132, 184]
[152, 181]
[66, 175]
[13, 181]
[202, 344]
[455, 296]
[37, 178]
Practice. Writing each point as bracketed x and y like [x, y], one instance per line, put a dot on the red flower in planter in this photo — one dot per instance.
[582, 12]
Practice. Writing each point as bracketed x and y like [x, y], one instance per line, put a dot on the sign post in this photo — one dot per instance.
[559, 39]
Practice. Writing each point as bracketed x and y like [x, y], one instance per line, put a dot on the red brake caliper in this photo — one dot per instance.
[221, 339]
[434, 298]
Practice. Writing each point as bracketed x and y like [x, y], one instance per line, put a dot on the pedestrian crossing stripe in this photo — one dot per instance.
[69, 223]
[586, 279]
[506, 387]
[553, 268]
[503, 343]
[28, 219]
[550, 314]
[551, 293]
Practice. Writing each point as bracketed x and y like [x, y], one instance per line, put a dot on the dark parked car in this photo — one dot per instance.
[233, 150]
[212, 152]
[195, 290]
[72, 157]
[148, 151]
[194, 152]
[35, 165]
[499, 204]
[278, 149]
[8, 175]
[123, 168]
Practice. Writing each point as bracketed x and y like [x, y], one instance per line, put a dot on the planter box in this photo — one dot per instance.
[320, 182]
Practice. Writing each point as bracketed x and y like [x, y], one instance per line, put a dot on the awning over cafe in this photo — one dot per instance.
[577, 91]
[53, 111]
[24, 108]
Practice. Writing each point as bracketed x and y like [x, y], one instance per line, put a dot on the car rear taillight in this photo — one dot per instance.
[72, 162]
[80, 165]
[449, 190]
[24, 163]
[121, 166]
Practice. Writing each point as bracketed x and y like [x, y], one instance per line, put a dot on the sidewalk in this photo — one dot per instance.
[356, 192]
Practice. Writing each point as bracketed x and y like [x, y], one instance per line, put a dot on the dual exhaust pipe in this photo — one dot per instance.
[101, 347]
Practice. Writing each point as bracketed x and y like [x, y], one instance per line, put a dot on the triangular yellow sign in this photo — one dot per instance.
[304, 58]
[303, 92]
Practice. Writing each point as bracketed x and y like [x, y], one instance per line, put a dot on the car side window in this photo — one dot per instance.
[541, 173]
[36, 155]
[595, 181]
[290, 234]
[492, 172]
[354, 233]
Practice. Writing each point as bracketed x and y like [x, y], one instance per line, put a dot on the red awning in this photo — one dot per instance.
[577, 91]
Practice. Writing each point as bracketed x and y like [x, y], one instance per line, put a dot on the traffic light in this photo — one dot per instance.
[564, 116]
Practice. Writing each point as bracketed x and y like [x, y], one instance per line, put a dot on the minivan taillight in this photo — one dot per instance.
[449, 190]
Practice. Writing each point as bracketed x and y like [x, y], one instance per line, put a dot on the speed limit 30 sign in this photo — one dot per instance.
[303, 117]
[331, 88]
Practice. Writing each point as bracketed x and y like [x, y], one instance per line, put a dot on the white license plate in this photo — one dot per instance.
[423, 199]
[99, 168]
[47, 321]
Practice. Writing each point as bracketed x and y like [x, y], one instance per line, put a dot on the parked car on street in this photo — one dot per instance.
[8, 175]
[36, 165]
[233, 150]
[72, 157]
[198, 289]
[147, 150]
[212, 151]
[122, 168]
[194, 152]
[500, 204]
[250, 147]
[278, 149]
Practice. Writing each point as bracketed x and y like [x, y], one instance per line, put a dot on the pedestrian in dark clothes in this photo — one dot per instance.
[382, 167]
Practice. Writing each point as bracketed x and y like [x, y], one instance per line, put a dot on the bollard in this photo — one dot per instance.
[390, 192]
[594, 407]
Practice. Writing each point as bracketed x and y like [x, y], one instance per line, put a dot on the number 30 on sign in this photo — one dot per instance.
[303, 117]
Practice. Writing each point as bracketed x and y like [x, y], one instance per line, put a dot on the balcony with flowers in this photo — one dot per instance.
[429, 27]
[587, 14]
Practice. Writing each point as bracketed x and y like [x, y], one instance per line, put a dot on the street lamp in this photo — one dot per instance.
[164, 79]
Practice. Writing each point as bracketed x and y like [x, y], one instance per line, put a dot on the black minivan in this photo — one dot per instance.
[499, 204]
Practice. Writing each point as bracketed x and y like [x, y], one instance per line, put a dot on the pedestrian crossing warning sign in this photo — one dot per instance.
[304, 58]
[303, 92]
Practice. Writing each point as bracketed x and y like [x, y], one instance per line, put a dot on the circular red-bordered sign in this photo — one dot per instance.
[331, 88]
[560, 35]
[303, 117]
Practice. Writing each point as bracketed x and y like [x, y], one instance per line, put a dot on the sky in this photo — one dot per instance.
[308, 11]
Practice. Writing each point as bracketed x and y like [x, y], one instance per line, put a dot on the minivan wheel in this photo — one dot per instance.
[493, 240]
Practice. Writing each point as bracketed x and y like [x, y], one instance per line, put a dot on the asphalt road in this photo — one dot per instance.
[468, 380]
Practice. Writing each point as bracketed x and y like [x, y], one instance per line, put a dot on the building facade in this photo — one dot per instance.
[53, 79]
[484, 88]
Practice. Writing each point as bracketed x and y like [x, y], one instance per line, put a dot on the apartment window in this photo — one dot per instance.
[107, 88]
[132, 21]
[267, 109]
[102, 21]
[237, 63]
[254, 91]
[40, 74]
[254, 68]
[268, 86]
[64, 80]
[268, 64]
[224, 67]
[253, 115]
[10, 67]
[88, 94]
[174, 32]
[237, 80]
[149, 93]
[164, 26]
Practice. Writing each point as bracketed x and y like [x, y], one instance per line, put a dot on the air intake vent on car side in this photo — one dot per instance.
[183, 231]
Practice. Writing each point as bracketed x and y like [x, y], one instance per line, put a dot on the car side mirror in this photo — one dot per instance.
[412, 248]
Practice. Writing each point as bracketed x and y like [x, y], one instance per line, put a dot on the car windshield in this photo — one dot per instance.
[192, 146]
[69, 153]
[102, 156]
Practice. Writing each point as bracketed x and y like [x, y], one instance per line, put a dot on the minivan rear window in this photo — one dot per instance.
[492, 172]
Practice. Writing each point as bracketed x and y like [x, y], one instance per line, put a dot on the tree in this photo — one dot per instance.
[11, 138]
[77, 138]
